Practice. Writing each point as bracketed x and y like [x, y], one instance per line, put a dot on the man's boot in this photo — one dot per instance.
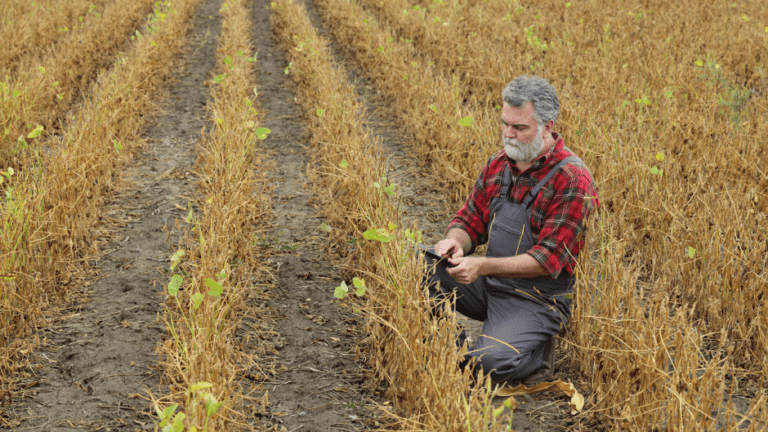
[547, 369]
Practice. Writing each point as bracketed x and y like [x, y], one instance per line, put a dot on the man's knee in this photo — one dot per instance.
[505, 363]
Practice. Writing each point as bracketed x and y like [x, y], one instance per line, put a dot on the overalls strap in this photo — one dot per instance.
[528, 200]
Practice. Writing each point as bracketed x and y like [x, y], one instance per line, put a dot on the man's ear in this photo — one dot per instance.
[549, 127]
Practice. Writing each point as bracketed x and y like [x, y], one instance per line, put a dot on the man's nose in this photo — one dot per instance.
[509, 132]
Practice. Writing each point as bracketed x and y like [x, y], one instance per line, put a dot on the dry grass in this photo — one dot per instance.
[49, 213]
[26, 27]
[429, 105]
[43, 84]
[410, 352]
[233, 205]
[648, 327]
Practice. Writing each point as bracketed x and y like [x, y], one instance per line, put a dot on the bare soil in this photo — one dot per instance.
[100, 357]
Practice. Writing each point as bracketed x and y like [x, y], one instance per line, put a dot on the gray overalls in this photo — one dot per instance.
[518, 315]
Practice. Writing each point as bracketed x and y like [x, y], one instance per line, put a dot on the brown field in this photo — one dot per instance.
[186, 185]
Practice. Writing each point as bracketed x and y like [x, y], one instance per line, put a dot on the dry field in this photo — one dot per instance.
[209, 209]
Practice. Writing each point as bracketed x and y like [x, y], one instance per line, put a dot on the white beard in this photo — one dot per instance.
[520, 152]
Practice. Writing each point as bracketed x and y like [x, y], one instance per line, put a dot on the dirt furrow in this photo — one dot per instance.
[316, 384]
[101, 357]
[424, 204]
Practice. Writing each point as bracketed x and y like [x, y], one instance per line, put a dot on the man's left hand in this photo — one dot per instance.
[466, 269]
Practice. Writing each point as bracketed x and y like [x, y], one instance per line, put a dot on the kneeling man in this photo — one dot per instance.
[530, 204]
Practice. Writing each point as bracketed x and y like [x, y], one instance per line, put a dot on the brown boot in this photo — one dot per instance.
[547, 369]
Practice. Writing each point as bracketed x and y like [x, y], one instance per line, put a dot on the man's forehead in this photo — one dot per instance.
[514, 115]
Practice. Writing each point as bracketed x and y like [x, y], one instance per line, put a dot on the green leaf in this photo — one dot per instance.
[359, 285]
[341, 290]
[509, 403]
[691, 252]
[344, 163]
[197, 300]
[325, 227]
[466, 121]
[215, 288]
[176, 258]
[391, 226]
[200, 386]
[36, 132]
[569, 296]
[433, 107]
[390, 190]
[320, 112]
[262, 133]
[218, 79]
[497, 411]
[174, 285]
[228, 60]
[23, 144]
[655, 171]
[178, 422]
[211, 404]
[168, 412]
[190, 215]
[42, 70]
[288, 68]
[376, 235]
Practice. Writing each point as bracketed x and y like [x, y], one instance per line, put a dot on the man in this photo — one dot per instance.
[530, 203]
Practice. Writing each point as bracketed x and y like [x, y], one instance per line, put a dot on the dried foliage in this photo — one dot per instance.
[222, 256]
[413, 354]
[49, 213]
[669, 119]
[40, 87]
[26, 27]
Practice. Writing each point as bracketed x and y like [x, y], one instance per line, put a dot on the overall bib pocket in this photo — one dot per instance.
[507, 237]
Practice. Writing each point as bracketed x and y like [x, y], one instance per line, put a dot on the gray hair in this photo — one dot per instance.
[536, 90]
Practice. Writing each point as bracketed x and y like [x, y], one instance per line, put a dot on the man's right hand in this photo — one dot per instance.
[449, 247]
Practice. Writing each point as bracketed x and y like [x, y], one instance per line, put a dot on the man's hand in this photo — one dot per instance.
[466, 269]
[449, 247]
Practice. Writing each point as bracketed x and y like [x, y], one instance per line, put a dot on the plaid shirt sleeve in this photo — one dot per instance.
[473, 217]
[564, 223]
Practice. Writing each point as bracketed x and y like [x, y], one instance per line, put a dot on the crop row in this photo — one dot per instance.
[49, 213]
[44, 87]
[410, 352]
[642, 153]
[27, 27]
[212, 277]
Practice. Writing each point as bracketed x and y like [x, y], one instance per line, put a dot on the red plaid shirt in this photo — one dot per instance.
[558, 215]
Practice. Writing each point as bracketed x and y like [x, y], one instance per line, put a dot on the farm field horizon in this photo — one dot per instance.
[209, 212]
